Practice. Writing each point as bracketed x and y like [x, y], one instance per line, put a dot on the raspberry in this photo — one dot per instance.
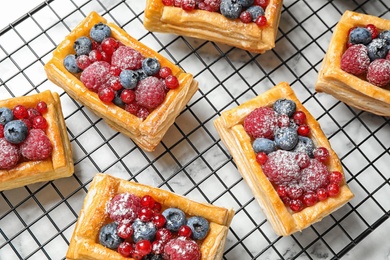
[37, 145]
[282, 167]
[182, 248]
[213, 5]
[314, 176]
[355, 60]
[124, 206]
[127, 58]
[9, 154]
[150, 92]
[261, 122]
[95, 75]
[379, 72]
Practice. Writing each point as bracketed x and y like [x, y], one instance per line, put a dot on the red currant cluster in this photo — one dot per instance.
[288, 157]
[142, 230]
[22, 135]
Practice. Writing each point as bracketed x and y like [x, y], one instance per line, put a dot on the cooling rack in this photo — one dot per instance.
[36, 221]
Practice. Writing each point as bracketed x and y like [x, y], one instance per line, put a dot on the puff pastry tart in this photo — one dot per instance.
[355, 90]
[147, 130]
[29, 167]
[87, 241]
[295, 184]
[214, 26]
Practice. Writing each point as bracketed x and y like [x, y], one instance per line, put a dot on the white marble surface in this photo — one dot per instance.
[36, 222]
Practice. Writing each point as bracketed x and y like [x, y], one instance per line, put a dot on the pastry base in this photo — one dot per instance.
[232, 133]
[346, 87]
[214, 26]
[147, 133]
[60, 164]
[84, 242]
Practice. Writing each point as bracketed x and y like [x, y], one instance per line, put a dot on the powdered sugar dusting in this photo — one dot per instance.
[9, 154]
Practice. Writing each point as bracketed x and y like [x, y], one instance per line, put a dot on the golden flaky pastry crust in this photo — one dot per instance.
[60, 163]
[214, 26]
[350, 89]
[84, 243]
[230, 128]
[148, 133]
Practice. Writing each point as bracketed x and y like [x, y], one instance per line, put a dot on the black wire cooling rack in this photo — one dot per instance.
[36, 222]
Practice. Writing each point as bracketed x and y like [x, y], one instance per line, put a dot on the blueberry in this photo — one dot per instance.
[15, 131]
[117, 99]
[377, 49]
[129, 79]
[286, 138]
[199, 226]
[231, 9]
[141, 74]
[70, 64]
[108, 236]
[6, 115]
[304, 145]
[246, 3]
[143, 230]
[175, 218]
[285, 107]
[82, 46]
[152, 257]
[255, 12]
[99, 32]
[264, 145]
[150, 66]
[385, 35]
[360, 35]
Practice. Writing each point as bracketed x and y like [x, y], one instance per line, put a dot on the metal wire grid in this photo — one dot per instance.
[36, 222]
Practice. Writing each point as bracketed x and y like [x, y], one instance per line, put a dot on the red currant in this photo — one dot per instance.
[125, 230]
[335, 177]
[184, 231]
[147, 201]
[283, 120]
[167, 2]
[296, 205]
[1, 130]
[28, 123]
[159, 220]
[95, 45]
[299, 117]
[106, 94]
[32, 112]
[20, 112]
[245, 17]
[333, 189]
[157, 247]
[262, 3]
[39, 122]
[163, 235]
[374, 31]
[41, 107]
[157, 207]
[145, 214]
[106, 57]
[164, 72]
[143, 247]
[95, 55]
[322, 194]
[171, 82]
[261, 158]
[109, 45]
[188, 5]
[303, 130]
[115, 71]
[282, 191]
[321, 154]
[143, 113]
[310, 198]
[83, 61]
[294, 192]
[113, 83]
[125, 249]
[303, 160]
[261, 21]
[132, 108]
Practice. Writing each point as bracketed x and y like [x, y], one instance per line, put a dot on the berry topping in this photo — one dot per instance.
[143, 247]
[125, 229]
[82, 46]
[199, 226]
[360, 35]
[310, 198]
[70, 64]
[377, 49]
[108, 236]
[127, 96]
[262, 3]
[261, 122]
[304, 145]
[99, 32]
[255, 11]
[175, 218]
[39, 122]
[147, 201]
[150, 66]
[124, 206]
[171, 82]
[261, 158]
[165, 72]
[355, 60]
[185, 231]
[159, 220]
[284, 107]
[303, 130]
[379, 72]
[231, 9]
[95, 75]
[83, 61]
[15, 131]
[127, 58]
[282, 168]
[373, 30]
[296, 205]
[299, 117]
[37, 145]
[106, 94]
[125, 249]
[333, 189]
[9, 154]
[246, 17]
[41, 107]
[182, 248]
[335, 177]
[19, 112]
[109, 45]
[129, 79]
[150, 92]
[264, 145]
[143, 230]
[145, 214]
[6, 115]
[246, 3]
[286, 138]
[321, 154]
[314, 176]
